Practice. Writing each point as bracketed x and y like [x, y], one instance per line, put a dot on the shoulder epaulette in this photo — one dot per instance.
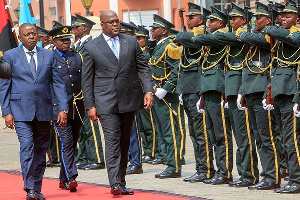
[240, 30]
[198, 30]
[173, 51]
[294, 29]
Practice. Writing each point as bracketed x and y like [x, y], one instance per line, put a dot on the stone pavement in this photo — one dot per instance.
[9, 160]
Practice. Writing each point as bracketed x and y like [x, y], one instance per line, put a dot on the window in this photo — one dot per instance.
[52, 11]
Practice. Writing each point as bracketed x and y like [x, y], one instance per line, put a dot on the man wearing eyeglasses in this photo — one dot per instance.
[116, 82]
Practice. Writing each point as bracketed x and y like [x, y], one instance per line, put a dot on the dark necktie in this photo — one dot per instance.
[65, 58]
[32, 63]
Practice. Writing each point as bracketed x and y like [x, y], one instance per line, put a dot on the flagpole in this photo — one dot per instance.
[68, 12]
[11, 24]
[42, 22]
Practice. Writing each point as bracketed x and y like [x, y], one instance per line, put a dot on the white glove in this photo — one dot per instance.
[239, 102]
[226, 104]
[267, 106]
[180, 99]
[296, 111]
[160, 93]
[198, 106]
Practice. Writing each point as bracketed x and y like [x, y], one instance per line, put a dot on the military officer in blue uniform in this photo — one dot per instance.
[69, 65]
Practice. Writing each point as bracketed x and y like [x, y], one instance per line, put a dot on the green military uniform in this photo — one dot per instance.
[256, 78]
[188, 85]
[212, 89]
[246, 157]
[164, 64]
[284, 87]
[90, 152]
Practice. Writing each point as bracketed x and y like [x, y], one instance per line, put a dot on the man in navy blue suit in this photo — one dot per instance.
[26, 103]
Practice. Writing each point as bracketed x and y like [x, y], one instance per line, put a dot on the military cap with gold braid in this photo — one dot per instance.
[83, 21]
[238, 11]
[42, 32]
[290, 7]
[142, 32]
[217, 15]
[60, 31]
[195, 9]
[161, 22]
[127, 28]
[262, 9]
[73, 20]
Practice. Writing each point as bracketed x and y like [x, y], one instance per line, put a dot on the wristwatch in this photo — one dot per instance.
[65, 111]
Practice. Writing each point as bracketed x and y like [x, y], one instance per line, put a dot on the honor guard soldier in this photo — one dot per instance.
[284, 87]
[188, 86]
[164, 64]
[69, 65]
[75, 38]
[246, 157]
[146, 123]
[255, 80]
[90, 152]
[212, 90]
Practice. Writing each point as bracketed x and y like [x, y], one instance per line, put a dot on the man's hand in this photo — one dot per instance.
[9, 121]
[267, 106]
[62, 118]
[148, 100]
[160, 93]
[92, 113]
[239, 102]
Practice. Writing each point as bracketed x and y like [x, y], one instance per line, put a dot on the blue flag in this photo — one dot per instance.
[25, 14]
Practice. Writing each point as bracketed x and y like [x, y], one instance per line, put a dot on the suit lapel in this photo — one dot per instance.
[40, 58]
[106, 50]
[123, 51]
[24, 60]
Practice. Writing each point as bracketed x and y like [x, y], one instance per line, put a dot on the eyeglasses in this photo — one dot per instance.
[111, 22]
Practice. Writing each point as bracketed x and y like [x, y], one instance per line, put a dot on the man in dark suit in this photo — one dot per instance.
[26, 103]
[114, 77]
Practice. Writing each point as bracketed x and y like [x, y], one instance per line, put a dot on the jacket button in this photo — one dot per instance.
[72, 84]
[70, 76]
[126, 76]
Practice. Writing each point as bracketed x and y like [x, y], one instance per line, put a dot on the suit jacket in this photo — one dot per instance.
[112, 85]
[71, 75]
[26, 97]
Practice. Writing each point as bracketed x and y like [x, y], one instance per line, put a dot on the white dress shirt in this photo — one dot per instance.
[108, 40]
[29, 57]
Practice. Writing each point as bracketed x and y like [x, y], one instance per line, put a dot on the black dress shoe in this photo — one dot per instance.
[133, 169]
[73, 185]
[167, 174]
[211, 180]
[233, 183]
[40, 196]
[197, 177]
[290, 189]
[31, 195]
[63, 185]
[264, 185]
[126, 191]
[157, 161]
[56, 164]
[95, 166]
[221, 180]
[116, 189]
[147, 159]
[243, 184]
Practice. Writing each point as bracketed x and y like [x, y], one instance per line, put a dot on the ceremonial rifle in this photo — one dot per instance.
[141, 22]
[183, 28]
[203, 17]
[248, 20]
[269, 99]
[228, 7]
